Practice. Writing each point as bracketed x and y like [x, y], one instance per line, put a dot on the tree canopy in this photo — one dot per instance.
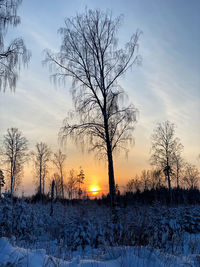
[89, 54]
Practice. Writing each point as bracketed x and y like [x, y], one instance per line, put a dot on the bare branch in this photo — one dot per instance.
[89, 55]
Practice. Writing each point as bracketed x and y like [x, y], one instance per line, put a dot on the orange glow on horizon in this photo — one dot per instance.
[94, 189]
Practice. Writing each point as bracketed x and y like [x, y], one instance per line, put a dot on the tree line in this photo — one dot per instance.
[89, 54]
[170, 169]
[14, 154]
[156, 179]
[169, 165]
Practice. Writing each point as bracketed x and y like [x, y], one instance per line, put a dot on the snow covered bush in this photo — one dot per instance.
[88, 226]
[5, 216]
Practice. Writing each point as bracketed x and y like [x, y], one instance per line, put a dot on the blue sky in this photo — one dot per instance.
[165, 86]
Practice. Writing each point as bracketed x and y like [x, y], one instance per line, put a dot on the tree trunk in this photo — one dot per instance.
[11, 180]
[167, 173]
[62, 187]
[112, 190]
[111, 178]
[169, 184]
[177, 177]
[40, 189]
[43, 177]
[52, 197]
[12, 172]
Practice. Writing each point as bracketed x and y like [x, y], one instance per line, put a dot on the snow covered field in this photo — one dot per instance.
[84, 235]
[122, 256]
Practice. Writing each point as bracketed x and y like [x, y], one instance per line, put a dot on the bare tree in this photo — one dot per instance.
[2, 181]
[191, 176]
[157, 178]
[178, 167]
[52, 196]
[145, 179]
[45, 173]
[58, 160]
[16, 53]
[41, 157]
[15, 155]
[130, 186]
[90, 56]
[80, 181]
[133, 184]
[137, 183]
[71, 184]
[164, 146]
[56, 178]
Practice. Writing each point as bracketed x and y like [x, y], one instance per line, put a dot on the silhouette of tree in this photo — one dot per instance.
[41, 157]
[2, 181]
[133, 184]
[58, 160]
[15, 147]
[191, 176]
[145, 179]
[16, 53]
[56, 178]
[164, 146]
[130, 186]
[178, 167]
[89, 55]
[80, 180]
[157, 178]
[71, 184]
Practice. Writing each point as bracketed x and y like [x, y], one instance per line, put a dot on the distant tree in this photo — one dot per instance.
[45, 173]
[117, 189]
[41, 157]
[145, 179]
[137, 183]
[156, 178]
[178, 167]
[129, 186]
[58, 160]
[80, 181]
[133, 184]
[2, 181]
[15, 54]
[191, 176]
[164, 146]
[89, 55]
[15, 147]
[52, 196]
[71, 185]
[57, 185]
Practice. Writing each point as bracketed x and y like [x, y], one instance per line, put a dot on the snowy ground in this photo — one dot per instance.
[84, 235]
[123, 256]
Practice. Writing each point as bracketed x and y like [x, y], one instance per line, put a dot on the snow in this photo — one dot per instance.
[124, 256]
[84, 235]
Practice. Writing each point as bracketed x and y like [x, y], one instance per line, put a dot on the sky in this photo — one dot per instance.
[165, 87]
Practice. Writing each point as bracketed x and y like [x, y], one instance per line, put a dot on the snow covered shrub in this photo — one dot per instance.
[166, 233]
[191, 220]
[136, 227]
[79, 231]
[5, 216]
[22, 221]
[89, 226]
[114, 233]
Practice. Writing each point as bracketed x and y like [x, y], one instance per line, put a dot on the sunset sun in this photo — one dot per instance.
[94, 189]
